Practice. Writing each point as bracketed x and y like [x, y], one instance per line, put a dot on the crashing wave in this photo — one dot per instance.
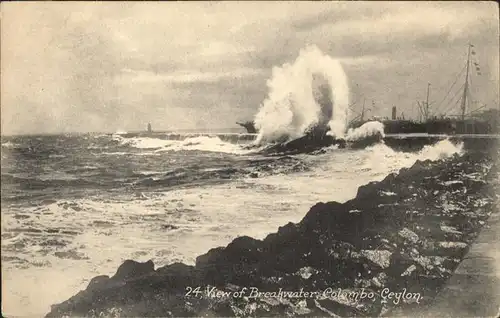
[199, 143]
[310, 95]
[368, 129]
[9, 145]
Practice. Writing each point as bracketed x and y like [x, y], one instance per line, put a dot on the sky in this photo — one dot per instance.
[115, 66]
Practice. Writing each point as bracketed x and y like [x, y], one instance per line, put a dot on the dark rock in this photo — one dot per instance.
[97, 282]
[224, 264]
[389, 236]
[178, 276]
[170, 227]
[131, 268]
[366, 142]
[306, 144]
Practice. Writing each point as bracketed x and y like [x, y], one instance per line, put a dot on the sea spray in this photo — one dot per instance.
[199, 143]
[441, 150]
[380, 158]
[368, 129]
[292, 108]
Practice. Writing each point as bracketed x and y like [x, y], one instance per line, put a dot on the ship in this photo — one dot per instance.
[438, 120]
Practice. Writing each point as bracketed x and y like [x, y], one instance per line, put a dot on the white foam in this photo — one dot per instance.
[291, 108]
[9, 144]
[206, 143]
[371, 128]
[110, 231]
[381, 158]
[441, 150]
[200, 143]
[148, 143]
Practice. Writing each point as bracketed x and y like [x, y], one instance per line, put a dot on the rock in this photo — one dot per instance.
[170, 227]
[131, 268]
[306, 144]
[380, 257]
[178, 276]
[225, 264]
[97, 282]
[390, 241]
[409, 235]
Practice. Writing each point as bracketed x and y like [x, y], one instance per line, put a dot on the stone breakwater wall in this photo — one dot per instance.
[412, 143]
[404, 235]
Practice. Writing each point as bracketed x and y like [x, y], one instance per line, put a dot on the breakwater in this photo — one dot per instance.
[404, 235]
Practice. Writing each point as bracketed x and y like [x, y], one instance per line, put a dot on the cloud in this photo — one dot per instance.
[106, 65]
[383, 18]
[218, 49]
[373, 60]
[185, 76]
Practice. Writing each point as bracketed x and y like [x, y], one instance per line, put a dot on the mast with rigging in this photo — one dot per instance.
[466, 85]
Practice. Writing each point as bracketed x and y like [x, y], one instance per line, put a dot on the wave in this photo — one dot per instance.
[441, 150]
[310, 92]
[199, 143]
[47, 182]
[146, 143]
[236, 138]
[63, 232]
[368, 129]
[382, 158]
[10, 145]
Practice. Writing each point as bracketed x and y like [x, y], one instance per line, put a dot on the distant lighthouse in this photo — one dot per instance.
[149, 128]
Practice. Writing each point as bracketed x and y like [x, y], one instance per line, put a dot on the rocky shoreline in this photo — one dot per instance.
[403, 235]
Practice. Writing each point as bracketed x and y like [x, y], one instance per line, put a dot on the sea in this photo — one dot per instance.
[75, 206]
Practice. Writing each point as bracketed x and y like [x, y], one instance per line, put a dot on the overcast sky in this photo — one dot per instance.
[72, 66]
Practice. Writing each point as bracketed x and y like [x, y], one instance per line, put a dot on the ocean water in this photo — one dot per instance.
[77, 206]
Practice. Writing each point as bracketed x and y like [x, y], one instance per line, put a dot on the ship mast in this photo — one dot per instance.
[423, 106]
[466, 86]
[363, 110]
[427, 102]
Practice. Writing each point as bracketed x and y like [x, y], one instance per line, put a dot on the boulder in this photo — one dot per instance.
[376, 240]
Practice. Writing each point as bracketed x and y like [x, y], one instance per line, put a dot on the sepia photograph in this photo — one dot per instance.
[250, 159]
